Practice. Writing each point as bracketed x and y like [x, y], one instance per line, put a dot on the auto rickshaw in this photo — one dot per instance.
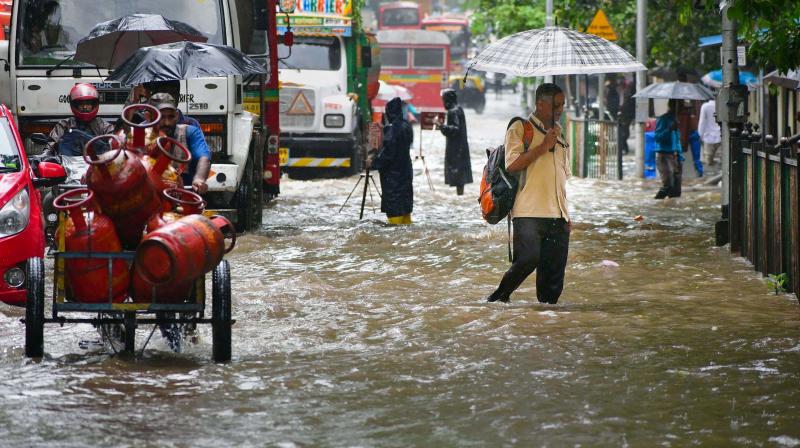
[471, 93]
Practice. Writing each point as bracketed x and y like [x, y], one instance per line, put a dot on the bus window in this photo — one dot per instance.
[311, 53]
[394, 57]
[400, 17]
[428, 58]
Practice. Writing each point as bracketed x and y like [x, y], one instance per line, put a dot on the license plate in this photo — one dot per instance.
[283, 156]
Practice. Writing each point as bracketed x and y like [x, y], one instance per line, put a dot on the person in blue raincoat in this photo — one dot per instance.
[669, 153]
[393, 162]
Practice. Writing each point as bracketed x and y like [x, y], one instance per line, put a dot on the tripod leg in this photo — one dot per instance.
[376, 187]
[364, 195]
[428, 174]
[351, 193]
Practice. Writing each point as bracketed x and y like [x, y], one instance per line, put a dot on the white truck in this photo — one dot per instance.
[327, 78]
[37, 72]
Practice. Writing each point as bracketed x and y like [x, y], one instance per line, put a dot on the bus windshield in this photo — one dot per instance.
[311, 53]
[49, 30]
[400, 17]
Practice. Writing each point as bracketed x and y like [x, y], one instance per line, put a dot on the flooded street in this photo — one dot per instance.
[354, 333]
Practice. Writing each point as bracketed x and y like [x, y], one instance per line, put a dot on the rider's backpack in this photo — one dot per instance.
[498, 186]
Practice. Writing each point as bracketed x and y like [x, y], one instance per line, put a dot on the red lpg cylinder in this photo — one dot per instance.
[88, 277]
[144, 112]
[122, 188]
[184, 203]
[189, 203]
[162, 173]
[183, 250]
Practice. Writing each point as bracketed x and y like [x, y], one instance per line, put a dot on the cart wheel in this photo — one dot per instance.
[130, 332]
[34, 309]
[221, 312]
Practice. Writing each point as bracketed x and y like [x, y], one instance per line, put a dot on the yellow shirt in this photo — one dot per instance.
[542, 192]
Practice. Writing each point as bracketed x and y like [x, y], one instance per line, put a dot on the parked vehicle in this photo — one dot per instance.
[456, 27]
[21, 228]
[329, 74]
[418, 60]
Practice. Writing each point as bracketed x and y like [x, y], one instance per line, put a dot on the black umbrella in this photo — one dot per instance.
[185, 60]
[110, 43]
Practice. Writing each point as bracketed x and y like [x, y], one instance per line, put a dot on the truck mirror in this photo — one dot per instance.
[287, 6]
[366, 56]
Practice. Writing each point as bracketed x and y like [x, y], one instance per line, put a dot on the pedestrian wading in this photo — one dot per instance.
[540, 219]
[393, 161]
[457, 166]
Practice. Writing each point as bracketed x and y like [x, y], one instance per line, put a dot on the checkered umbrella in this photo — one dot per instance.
[554, 51]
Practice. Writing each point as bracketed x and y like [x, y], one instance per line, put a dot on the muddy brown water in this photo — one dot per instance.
[353, 333]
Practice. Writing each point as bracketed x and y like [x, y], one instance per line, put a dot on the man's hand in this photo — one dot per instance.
[551, 137]
[199, 186]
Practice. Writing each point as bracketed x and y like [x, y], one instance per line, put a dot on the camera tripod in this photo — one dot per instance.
[367, 178]
[419, 156]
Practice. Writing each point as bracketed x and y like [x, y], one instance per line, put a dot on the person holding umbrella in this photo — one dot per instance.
[540, 218]
[668, 153]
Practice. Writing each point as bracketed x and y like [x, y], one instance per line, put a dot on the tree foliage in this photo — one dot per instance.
[771, 30]
[673, 29]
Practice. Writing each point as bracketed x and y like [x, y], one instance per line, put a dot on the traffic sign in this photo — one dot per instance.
[601, 27]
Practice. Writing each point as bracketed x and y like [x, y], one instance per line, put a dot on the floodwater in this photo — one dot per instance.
[353, 333]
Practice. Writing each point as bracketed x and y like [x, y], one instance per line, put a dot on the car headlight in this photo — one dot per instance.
[334, 120]
[14, 216]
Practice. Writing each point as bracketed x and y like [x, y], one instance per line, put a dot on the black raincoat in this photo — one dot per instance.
[457, 166]
[394, 162]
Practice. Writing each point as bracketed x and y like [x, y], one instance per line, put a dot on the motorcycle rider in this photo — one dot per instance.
[70, 135]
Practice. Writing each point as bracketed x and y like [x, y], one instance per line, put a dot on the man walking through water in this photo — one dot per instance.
[541, 222]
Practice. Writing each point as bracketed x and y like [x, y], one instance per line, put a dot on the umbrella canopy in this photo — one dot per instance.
[789, 80]
[110, 43]
[676, 90]
[554, 51]
[387, 92]
[185, 60]
[714, 78]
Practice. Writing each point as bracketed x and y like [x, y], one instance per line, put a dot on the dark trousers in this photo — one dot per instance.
[540, 243]
[671, 171]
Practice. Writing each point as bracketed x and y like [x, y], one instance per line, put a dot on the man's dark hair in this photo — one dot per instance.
[547, 91]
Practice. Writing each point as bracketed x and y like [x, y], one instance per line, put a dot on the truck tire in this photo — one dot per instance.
[249, 195]
[34, 309]
[221, 312]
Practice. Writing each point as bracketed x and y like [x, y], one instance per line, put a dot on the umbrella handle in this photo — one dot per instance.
[145, 124]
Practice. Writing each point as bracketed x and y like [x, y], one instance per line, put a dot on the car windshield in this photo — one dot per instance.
[49, 30]
[311, 53]
[9, 155]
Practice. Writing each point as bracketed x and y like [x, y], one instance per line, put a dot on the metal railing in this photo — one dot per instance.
[764, 208]
[594, 149]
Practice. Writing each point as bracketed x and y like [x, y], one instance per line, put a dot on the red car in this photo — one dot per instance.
[21, 231]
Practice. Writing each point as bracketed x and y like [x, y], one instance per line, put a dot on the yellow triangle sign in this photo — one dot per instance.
[300, 106]
[601, 27]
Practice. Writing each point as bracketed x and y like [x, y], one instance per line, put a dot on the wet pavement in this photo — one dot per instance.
[354, 333]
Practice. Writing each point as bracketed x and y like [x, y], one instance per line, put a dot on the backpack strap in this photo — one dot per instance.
[527, 136]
